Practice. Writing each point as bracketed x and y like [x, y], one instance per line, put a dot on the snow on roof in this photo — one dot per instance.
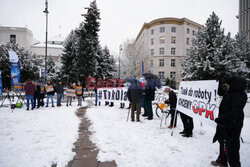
[42, 45]
[57, 38]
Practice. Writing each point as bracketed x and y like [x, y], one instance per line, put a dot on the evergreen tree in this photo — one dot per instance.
[68, 70]
[88, 43]
[51, 69]
[211, 56]
[106, 64]
[28, 62]
[242, 51]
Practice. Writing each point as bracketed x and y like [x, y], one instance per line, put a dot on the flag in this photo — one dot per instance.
[1, 85]
[40, 75]
[15, 69]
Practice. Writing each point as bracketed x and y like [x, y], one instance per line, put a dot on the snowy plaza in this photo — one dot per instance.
[45, 136]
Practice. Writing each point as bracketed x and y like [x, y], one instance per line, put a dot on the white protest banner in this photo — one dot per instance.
[118, 95]
[197, 99]
[13, 56]
[71, 92]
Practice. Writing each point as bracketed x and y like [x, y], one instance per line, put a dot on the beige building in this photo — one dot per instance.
[244, 17]
[20, 35]
[166, 41]
[24, 37]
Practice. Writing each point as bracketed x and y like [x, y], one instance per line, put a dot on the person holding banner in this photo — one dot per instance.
[70, 92]
[50, 93]
[230, 122]
[172, 102]
[79, 93]
[29, 89]
[42, 94]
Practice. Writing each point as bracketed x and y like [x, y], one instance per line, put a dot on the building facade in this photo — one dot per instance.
[166, 41]
[244, 17]
[20, 35]
[24, 38]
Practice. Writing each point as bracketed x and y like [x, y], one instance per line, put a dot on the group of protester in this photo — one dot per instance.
[36, 92]
[229, 121]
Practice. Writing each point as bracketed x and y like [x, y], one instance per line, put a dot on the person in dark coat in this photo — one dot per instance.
[50, 90]
[172, 102]
[59, 92]
[134, 97]
[188, 125]
[37, 95]
[29, 89]
[42, 94]
[149, 93]
[230, 121]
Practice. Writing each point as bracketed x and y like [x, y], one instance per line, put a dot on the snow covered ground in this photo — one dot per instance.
[145, 144]
[37, 138]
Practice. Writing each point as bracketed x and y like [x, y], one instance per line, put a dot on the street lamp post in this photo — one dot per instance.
[120, 61]
[46, 39]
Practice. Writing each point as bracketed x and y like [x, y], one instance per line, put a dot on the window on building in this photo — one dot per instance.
[162, 40]
[161, 51]
[187, 41]
[162, 29]
[152, 52]
[193, 33]
[173, 39]
[172, 51]
[13, 39]
[172, 62]
[173, 29]
[172, 75]
[152, 63]
[152, 31]
[188, 30]
[152, 41]
[161, 74]
[161, 62]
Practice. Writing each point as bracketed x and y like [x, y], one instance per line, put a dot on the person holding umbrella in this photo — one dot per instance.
[134, 97]
[152, 81]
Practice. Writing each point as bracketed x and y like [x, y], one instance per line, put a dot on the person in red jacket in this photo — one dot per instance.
[29, 89]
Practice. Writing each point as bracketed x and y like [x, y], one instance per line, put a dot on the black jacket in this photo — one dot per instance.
[231, 114]
[37, 91]
[59, 88]
[134, 92]
[172, 100]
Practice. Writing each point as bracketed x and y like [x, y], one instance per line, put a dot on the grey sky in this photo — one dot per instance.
[120, 19]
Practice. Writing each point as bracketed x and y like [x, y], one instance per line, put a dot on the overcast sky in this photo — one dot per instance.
[120, 19]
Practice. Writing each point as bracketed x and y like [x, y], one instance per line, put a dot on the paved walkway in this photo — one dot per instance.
[86, 151]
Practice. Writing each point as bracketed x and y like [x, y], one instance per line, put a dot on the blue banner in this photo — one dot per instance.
[15, 73]
[1, 85]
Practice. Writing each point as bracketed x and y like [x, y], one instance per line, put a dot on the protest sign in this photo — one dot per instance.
[197, 99]
[117, 95]
[18, 87]
[71, 92]
[49, 88]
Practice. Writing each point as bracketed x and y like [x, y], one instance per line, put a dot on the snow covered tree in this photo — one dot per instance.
[68, 70]
[88, 42]
[28, 62]
[242, 51]
[211, 56]
[51, 69]
[105, 64]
